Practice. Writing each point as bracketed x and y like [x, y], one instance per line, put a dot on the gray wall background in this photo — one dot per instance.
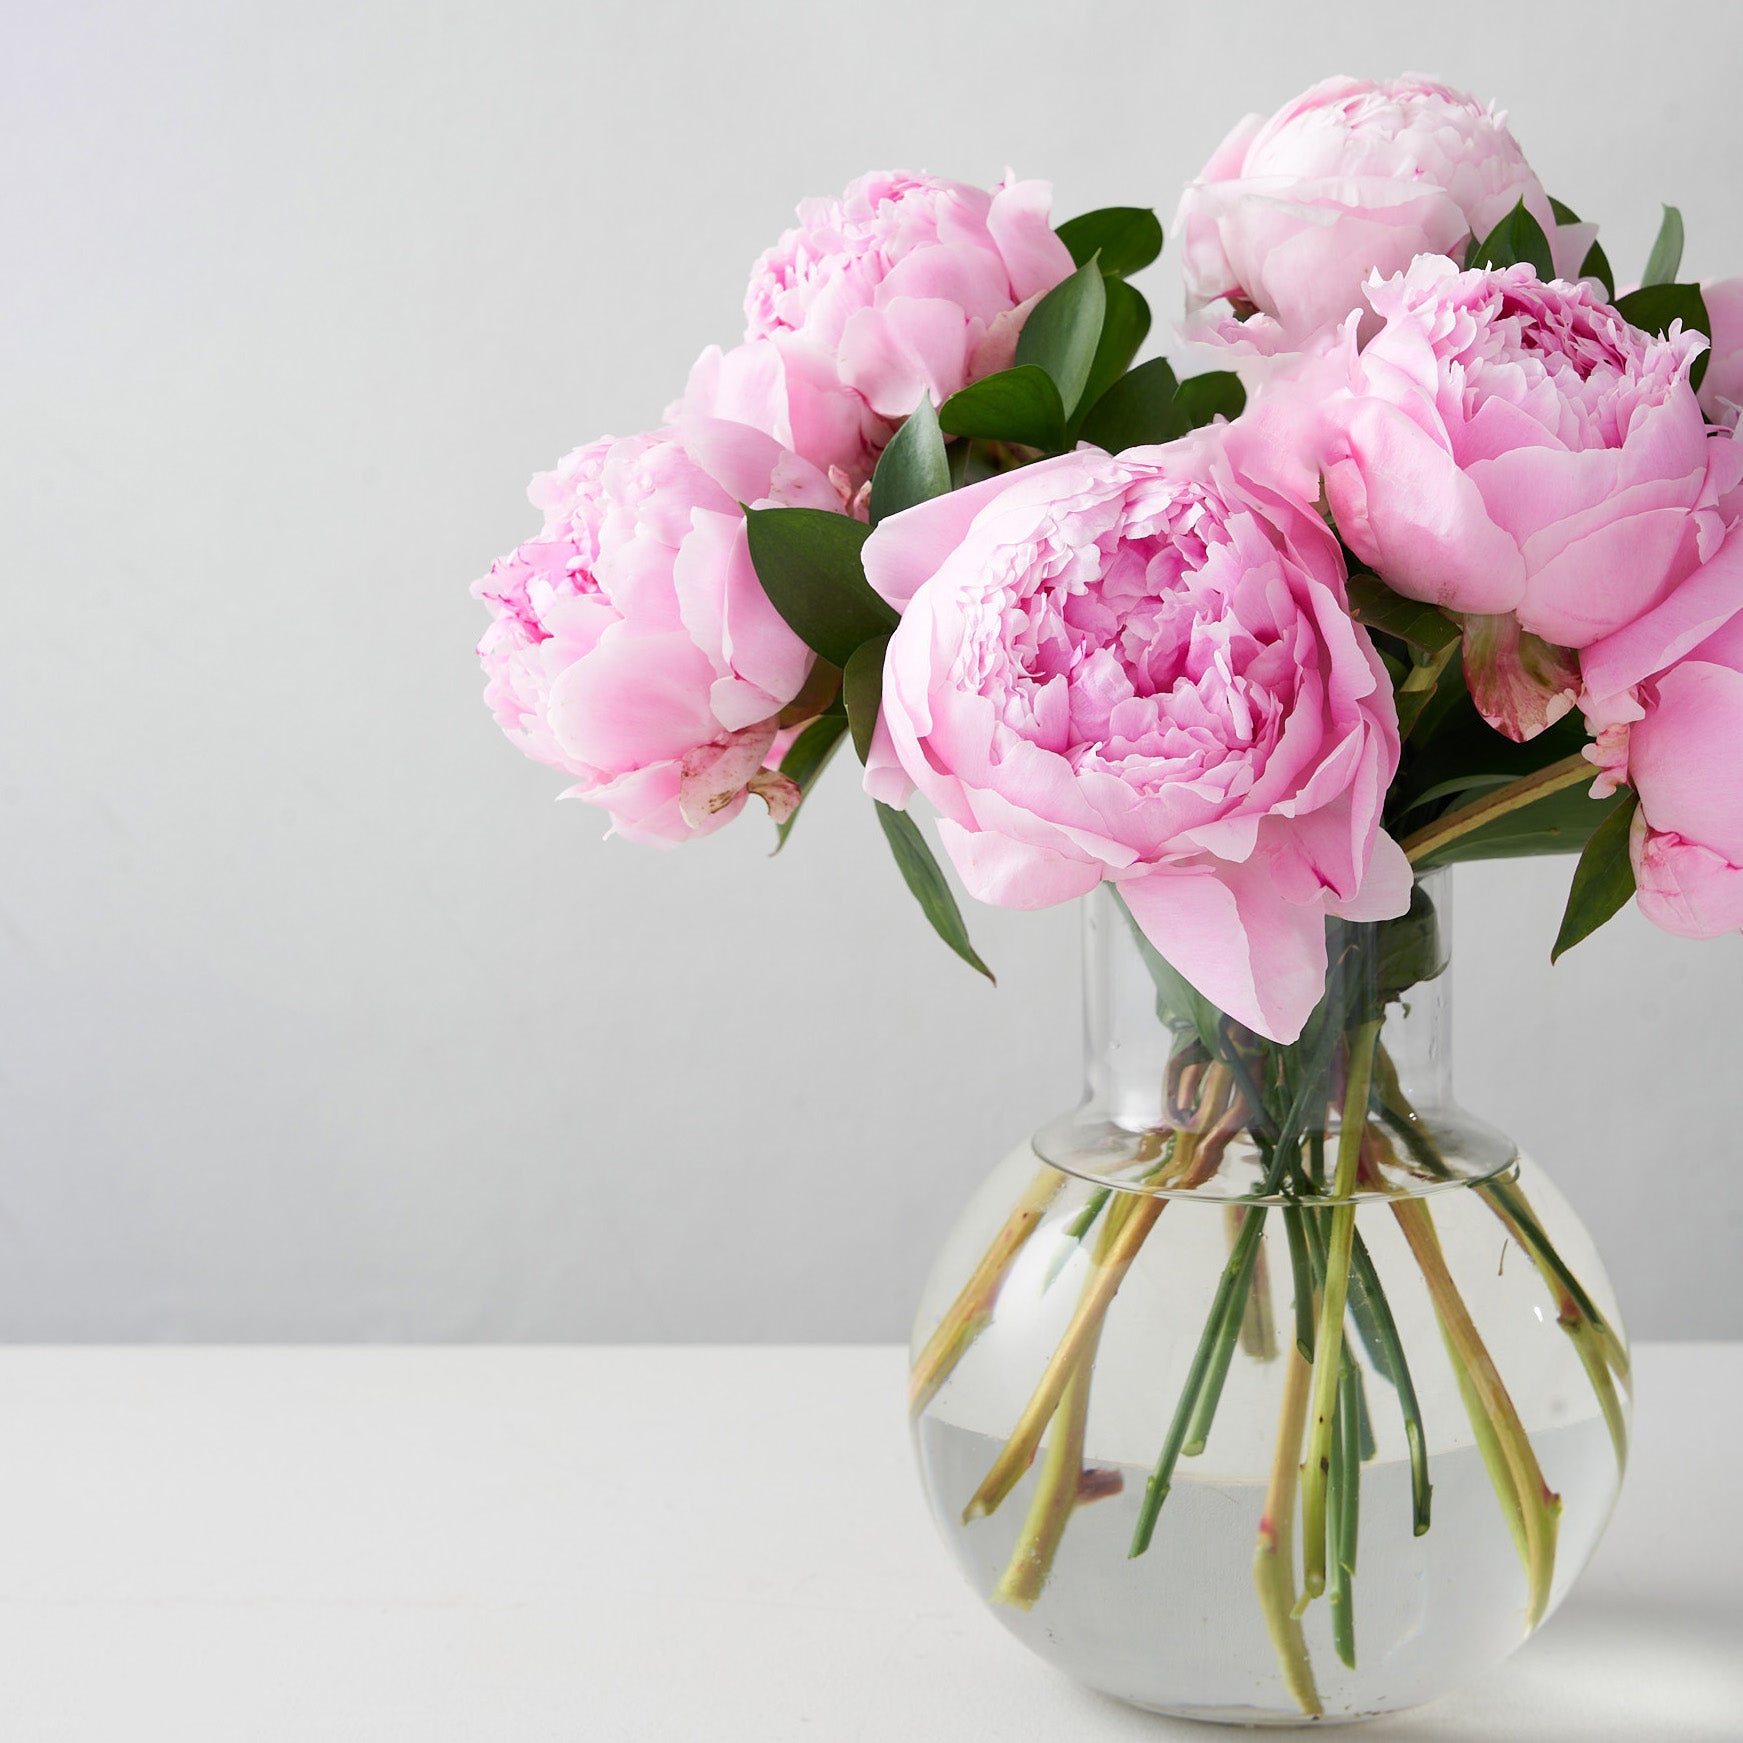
[319, 1017]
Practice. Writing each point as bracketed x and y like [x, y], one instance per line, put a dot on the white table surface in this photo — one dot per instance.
[723, 1545]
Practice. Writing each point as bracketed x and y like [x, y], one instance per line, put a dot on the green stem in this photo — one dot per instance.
[1517, 1476]
[1274, 1558]
[1219, 1330]
[1365, 1289]
[1328, 1342]
[1056, 1490]
[1303, 1278]
[968, 1315]
[1210, 1388]
[1346, 1480]
[1497, 802]
[1124, 1235]
[1161, 1479]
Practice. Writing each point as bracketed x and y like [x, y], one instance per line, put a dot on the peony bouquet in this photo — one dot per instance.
[1440, 561]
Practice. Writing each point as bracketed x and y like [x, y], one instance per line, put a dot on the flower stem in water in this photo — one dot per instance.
[968, 1315]
[1274, 1558]
[1532, 1508]
[1328, 1342]
[1056, 1490]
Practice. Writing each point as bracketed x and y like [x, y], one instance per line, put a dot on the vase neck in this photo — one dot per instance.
[1131, 1031]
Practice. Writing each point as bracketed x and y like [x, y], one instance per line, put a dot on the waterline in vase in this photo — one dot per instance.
[1138, 1631]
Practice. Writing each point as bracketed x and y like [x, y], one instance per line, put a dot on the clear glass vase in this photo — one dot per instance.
[1234, 1407]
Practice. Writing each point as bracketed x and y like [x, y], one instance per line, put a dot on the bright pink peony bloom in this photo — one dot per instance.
[1505, 446]
[1291, 215]
[632, 645]
[905, 285]
[1722, 387]
[1143, 669]
[1664, 696]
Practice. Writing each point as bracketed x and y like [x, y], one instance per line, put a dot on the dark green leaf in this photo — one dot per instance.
[1063, 331]
[1016, 405]
[921, 874]
[1603, 880]
[1562, 212]
[1517, 238]
[914, 467]
[1410, 704]
[808, 561]
[1557, 823]
[1127, 238]
[1419, 626]
[1454, 740]
[806, 759]
[1201, 397]
[1410, 948]
[1597, 265]
[862, 690]
[1123, 330]
[1666, 255]
[1654, 307]
[1459, 784]
[1137, 409]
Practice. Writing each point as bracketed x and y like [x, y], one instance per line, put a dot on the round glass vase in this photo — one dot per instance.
[1237, 1408]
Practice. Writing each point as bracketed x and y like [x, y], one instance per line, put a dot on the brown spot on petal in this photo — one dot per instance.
[779, 792]
[712, 775]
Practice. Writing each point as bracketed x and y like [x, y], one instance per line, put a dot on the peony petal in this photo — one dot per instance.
[1253, 955]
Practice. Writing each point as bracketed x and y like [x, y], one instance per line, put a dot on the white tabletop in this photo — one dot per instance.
[683, 1545]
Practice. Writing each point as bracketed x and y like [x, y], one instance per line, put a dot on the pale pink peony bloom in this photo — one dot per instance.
[1143, 669]
[631, 644]
[906, 285]
[1502, 446]
[1292, 214]
[1665, 697]
[1722, 387]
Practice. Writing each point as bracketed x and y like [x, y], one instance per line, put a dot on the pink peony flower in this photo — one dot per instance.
[631, 644]
[1143, 669]
[1291, 215]
[1664, 695]
[905, 285]
[1722, 388]
[1503, 446]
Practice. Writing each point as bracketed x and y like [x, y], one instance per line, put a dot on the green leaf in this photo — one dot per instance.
[1517, 238]
[862, 690]
[1654, 307]
[807, 757]
[1562, 212]
[914, 467]
[1603, 880]
[1597, 265]
[1063, 331]
[921, 874]
[1558, 823]
[1666, 255]
[1137, 409]
[1455, 741]
[1201, 397]
[1124, 328]
[808, 561]
[1016, 405]
[1419, 626]
[1127, 238]
[1409, 949]
[1459, 784]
